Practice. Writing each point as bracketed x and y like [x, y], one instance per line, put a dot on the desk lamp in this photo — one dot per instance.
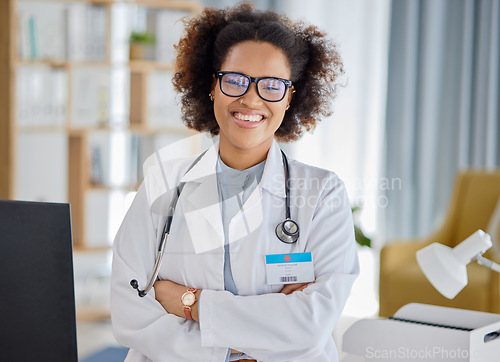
[445, 267]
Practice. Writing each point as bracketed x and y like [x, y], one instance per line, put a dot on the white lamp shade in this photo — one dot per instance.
[445, 272]
[446, 268]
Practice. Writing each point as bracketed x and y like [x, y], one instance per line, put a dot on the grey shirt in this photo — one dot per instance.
[234, 188]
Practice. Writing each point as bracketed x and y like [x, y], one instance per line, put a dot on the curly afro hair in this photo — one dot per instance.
[314, 61]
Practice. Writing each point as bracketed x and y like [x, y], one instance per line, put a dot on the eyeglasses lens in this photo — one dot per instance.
[271, 89]
[234, 84]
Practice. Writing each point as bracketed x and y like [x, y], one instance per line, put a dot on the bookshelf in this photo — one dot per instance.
[6, 99]
[76, 112]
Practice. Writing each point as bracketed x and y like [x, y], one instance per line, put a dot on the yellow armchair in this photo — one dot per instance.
[473, 201]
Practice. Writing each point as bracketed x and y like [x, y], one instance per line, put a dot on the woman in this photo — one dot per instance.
[250, 77]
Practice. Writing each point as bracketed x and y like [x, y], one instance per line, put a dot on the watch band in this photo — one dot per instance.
[187, 312]
[187, 308]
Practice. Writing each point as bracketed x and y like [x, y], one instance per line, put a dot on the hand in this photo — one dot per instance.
[169, 294]
[296, 287]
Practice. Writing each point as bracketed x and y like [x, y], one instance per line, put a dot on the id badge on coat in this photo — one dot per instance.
[289, 268]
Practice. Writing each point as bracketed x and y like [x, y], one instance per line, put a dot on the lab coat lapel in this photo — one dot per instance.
[248, 218]
[273, 178]
[201, 207]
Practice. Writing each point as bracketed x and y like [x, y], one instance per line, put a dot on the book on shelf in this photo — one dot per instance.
[33, 52]
[99, 148]
[91, 94]
[146, 147]
[23, 36]
[86, 32]
[151, 25]
[96, 168]
[134, 161]
[41, 96]
[117, 158]
[39, 30]
[95, 45]
[75, 33]
[60, 30]
[138, 148]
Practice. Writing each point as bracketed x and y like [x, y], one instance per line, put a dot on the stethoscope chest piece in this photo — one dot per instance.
[287, 231]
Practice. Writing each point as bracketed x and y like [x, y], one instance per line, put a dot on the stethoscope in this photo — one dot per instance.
[287, 231]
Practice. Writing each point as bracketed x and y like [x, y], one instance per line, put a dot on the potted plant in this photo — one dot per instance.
[360, 236]
[139, 43]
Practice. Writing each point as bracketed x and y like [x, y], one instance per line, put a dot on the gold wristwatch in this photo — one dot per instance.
[188, 299]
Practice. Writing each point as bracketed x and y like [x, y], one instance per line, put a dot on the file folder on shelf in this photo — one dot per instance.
[420, 332]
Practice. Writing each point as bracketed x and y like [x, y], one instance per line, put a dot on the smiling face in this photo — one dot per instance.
[248, 123]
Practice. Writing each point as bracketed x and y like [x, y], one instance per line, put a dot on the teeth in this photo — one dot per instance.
[248, 118]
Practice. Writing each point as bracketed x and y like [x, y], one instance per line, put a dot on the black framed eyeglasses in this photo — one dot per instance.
[270, 89]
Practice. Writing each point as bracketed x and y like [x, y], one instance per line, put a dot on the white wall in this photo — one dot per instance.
[351, 141]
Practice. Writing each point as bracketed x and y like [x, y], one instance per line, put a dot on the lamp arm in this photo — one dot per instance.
[488, 263]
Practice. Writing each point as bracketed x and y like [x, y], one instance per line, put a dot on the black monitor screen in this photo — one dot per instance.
[37, 302]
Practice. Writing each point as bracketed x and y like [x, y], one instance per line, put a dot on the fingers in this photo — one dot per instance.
[289, 288]
[301, 288]
[295, 287]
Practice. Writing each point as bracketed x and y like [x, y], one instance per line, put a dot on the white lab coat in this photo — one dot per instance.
[265, 324]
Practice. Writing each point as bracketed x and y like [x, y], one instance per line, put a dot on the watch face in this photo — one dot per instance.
[188, 298]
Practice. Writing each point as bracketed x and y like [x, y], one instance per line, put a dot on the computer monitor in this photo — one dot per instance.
[37, 300]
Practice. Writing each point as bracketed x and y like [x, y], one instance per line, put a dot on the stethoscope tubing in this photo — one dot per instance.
[163, 241]
[156, 268]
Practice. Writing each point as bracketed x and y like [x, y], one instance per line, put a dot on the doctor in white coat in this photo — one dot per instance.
[213, 300]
